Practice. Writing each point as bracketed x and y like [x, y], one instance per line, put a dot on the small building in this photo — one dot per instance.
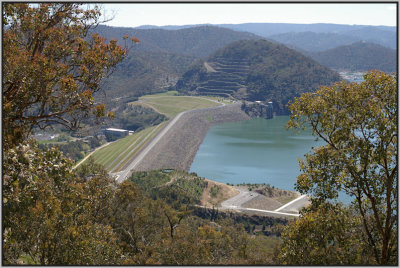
[115, 133]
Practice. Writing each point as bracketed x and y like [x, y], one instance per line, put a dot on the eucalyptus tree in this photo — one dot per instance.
[358, 123]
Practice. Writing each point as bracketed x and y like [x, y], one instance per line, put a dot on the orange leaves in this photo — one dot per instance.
[134, 39]
[49, 61]
[87, 94]
[99, 110]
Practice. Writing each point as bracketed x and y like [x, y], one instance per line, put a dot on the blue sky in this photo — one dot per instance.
[134, 14]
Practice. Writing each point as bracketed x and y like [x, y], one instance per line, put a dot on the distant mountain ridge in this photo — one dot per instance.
[161, 56]
[256, 70]
[268, 29]
[283, 32]
[192, 41]
[313, 41]
[359, 56]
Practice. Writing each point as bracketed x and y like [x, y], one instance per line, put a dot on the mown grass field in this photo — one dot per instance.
[172, 105]
[116, 155]
[111, 155]
[139, 144]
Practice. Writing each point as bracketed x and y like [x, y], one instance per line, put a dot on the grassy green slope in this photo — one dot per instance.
[172, 105]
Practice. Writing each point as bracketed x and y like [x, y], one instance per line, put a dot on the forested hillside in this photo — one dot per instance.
[360, 56]
[320, 41]
[311, 41]
[144, 72]
[196, 41]
[161, 56]
[292, 32]
[256, 70]
[269, 29]
[57, 215]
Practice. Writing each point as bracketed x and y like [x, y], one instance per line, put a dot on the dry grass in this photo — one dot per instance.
[225, 192]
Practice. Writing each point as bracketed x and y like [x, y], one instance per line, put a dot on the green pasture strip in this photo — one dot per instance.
[167, 93]
[127, 149]
[137, 149]
[173, 105]
[107, 154]
[138, 143]
[123, 149]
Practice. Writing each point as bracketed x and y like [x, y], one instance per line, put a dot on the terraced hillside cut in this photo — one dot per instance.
[256, 70]
[225, 77]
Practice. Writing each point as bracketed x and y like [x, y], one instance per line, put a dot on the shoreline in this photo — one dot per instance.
[178, 148]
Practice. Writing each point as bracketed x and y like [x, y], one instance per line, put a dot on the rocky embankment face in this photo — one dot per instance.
[178, 147]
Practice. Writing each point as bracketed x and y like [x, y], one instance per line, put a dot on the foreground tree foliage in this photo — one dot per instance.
[50, 214]
[358, 122]
[325, 235]
[52, 66]
[55, 215]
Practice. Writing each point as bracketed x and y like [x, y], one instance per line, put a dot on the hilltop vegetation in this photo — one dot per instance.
[165, 54]
[136, 117]
[161, 57]
[256, 70]
[360, 56]
[292, 33]
[320, 41]
[144, 72]
[56, 215]
[195, 41]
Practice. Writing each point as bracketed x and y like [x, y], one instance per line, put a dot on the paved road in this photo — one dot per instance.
[295, 205]
[242, 197]
[124, 174]
[289, 209]
[128, 171]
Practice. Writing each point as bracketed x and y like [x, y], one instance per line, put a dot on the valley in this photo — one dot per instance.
[197, 89]
[199, 144]
[173, 145]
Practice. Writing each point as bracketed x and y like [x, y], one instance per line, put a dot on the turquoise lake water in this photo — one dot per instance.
[254, 151]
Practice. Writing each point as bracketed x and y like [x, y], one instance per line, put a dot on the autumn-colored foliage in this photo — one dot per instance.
[54, 215]
[325, 235]
[358, 123]
[52, 66]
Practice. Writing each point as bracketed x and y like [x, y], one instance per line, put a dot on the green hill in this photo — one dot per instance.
[311, 41]
[161, 57]
[256, 70]
[144, 72]
[314, 42]
[318, 36]
[360, 56]
[195, 41]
